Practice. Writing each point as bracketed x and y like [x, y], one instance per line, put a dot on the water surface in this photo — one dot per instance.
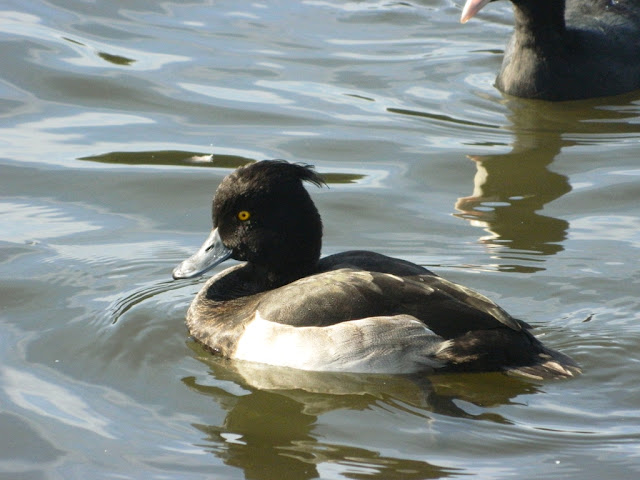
[118, 121]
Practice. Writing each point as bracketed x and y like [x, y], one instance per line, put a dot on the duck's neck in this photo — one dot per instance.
[248, 279]
[271, 277]
[539, 22]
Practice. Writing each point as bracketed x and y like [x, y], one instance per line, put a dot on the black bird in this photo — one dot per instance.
[569, 50]
[356, 311]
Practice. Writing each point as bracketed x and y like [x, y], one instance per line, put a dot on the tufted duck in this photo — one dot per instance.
[356, 311]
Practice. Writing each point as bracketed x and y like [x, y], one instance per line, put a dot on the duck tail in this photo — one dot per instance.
[503, 349]
[549, 364]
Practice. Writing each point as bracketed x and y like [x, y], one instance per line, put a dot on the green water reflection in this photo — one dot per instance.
[274, 430]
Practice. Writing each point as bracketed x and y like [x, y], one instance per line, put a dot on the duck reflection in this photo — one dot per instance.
[507, 197]
[511, 189]
[269, 430]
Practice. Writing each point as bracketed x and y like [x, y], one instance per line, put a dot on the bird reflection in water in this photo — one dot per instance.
[273, 428]
[510, 190]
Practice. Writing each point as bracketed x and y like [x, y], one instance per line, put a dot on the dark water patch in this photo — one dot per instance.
[447, 119]
[171, 158]
[361, 97]
[116, 59]
[198, 159]
[76, 42]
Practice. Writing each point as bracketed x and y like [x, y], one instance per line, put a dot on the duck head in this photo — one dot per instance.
[262, 214]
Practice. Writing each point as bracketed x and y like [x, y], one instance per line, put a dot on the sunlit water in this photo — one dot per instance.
[118, 120]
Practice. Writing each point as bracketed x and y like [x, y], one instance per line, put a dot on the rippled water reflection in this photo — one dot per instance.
[118, 121]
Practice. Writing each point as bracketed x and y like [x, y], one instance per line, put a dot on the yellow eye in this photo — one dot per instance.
[243, 215]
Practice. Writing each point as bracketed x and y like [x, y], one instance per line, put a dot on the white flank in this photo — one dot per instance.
[398, 344]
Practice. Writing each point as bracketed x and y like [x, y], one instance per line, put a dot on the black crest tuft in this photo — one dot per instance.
[266, 172]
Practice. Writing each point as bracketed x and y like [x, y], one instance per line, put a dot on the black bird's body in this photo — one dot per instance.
[570, 50]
